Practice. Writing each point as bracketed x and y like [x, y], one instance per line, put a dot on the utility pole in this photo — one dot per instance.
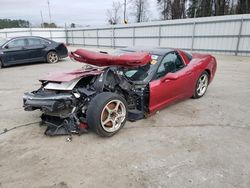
[164, 10]
[124, 16]
[42, 25]
[139, 15]
[49, 12]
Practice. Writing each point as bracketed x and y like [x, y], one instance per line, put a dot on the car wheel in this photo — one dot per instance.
[201, 85]
[107, 113]
[52, 57]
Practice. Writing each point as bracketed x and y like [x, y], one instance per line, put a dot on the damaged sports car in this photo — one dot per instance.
[109, 89]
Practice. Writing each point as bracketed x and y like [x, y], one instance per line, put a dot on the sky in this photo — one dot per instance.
[81, 12]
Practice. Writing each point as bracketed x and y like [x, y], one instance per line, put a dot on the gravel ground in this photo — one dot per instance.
[194, 143]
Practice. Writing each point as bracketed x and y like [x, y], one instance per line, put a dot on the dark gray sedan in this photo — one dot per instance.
[29, 49]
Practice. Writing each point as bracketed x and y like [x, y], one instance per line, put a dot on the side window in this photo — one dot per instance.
[44, 42]
[179, 63]
[17, 43]
[172, 62]
[167, 65]
[34, 42]
[189, 56]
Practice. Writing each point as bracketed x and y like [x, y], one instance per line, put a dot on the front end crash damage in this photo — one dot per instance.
[64, 98]
[61, 108]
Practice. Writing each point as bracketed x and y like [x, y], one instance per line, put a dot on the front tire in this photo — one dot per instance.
[52, 57]
[201, 85]
[107, 113]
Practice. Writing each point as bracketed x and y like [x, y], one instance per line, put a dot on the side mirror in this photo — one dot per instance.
[6, 47]
[170, 76]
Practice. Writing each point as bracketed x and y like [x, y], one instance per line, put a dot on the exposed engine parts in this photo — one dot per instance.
[64, 109]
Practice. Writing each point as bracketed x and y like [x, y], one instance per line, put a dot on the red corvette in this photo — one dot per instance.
[111, 88]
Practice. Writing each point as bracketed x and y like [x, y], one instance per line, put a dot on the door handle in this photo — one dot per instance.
[169, 77]
[189, 72]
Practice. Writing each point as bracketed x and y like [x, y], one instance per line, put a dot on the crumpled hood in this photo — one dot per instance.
[71, 75]
[131, 59]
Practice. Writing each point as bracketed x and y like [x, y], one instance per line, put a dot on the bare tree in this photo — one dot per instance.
[243, 7]
[165, 9]
[232, 6]
[113, 14]
[221, 7]
[172, 9]
[140, 10]
[193, 7]
[178, 9]
[201, 8]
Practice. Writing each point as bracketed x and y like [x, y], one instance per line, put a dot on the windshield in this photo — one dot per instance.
[2, 41]
[142, 73]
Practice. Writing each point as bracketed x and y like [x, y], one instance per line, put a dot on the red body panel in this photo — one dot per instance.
[181, 84]
[133, 59]
[68, 76]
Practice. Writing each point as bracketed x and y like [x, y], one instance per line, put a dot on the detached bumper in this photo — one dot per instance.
[47, 103]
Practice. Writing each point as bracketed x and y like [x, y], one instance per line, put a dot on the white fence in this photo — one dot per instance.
[222, 34]
[58, 34]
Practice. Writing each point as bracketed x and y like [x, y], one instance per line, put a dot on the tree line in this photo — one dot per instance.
[175, 9]
[8, 23]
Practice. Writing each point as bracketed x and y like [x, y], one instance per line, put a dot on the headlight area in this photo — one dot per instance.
[60, 111]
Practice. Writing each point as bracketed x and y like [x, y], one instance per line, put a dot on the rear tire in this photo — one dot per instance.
[52, 57]
[201, 85]
[107, 113]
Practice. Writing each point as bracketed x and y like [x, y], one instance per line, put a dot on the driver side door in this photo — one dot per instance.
[14, 52]
[170, 82]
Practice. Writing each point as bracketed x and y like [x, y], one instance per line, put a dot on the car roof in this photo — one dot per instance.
[153, 50]
[27, 37]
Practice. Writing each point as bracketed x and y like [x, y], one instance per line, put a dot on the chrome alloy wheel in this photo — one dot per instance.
[53, 57]
[113, 115]
[202, 85]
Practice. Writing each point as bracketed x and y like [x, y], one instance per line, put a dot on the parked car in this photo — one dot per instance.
[29, 49]
[111, 88]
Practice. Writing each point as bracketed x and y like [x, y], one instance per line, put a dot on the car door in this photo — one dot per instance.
[35, 48]
[14, 52]
[170, 83]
